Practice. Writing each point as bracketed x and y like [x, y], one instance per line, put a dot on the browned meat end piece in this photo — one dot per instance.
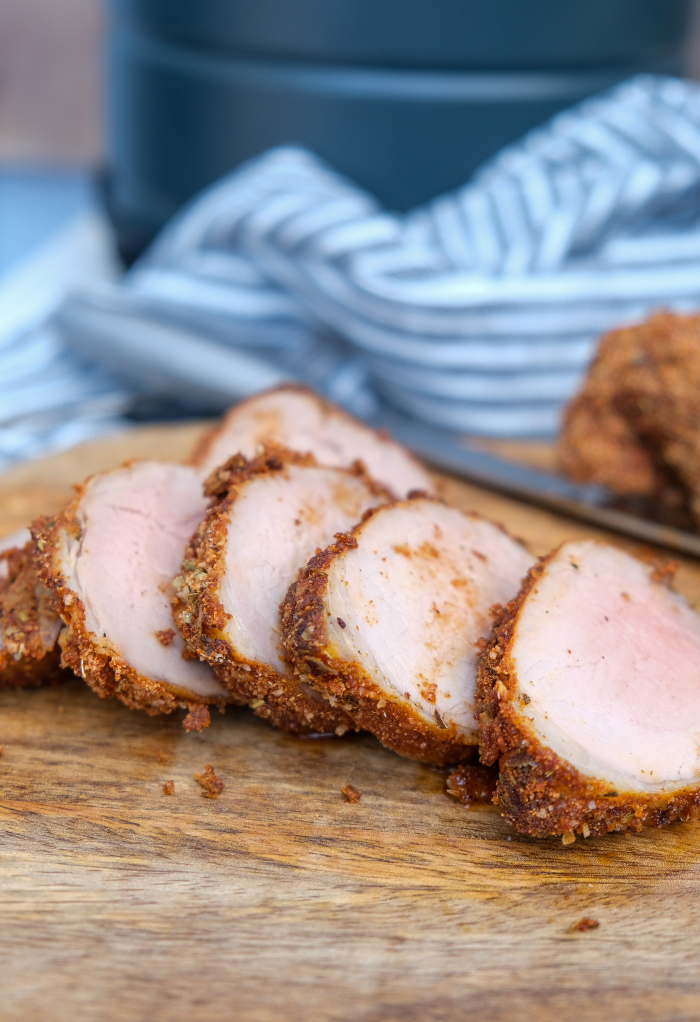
[274, 512]
[598, 445]
[299, 419]
[659, 395]
[387, 622]
[589, 697]
[29, 627]
[597, 442]
[110, 559]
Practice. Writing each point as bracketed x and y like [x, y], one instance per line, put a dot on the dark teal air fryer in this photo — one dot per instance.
[406, 97]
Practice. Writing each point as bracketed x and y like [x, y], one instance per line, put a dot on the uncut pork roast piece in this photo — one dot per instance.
[589, 697]
[297, 418]
[28, 625]
[598, 443]
[387, 622]
[274, 512]
[659, 395]
[110, 558]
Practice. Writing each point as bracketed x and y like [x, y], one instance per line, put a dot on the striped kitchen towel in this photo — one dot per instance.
[478, 312]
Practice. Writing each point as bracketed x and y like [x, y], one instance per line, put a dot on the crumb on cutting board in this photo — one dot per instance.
[169, 788]
[351, 793]
[212, 784]
[584, 924]
[198, 718]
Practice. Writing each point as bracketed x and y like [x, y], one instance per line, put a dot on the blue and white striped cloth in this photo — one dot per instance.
[477, 313]
[50, 397]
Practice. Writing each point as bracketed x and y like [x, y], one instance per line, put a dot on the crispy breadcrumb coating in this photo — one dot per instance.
[538, 792]
[29, 655]
[635, 425]
[598, 443]
[201, 617]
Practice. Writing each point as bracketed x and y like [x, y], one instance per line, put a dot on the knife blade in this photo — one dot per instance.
[446, 451]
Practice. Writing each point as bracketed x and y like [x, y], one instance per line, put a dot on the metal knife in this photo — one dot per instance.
[444, 450]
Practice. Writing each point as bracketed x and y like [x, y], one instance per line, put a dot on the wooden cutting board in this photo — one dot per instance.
[281, 901]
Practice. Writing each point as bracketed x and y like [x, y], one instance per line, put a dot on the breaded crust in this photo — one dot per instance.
[90, 656]
[597, 442]
[659, 396]
[29, 673]
[394, 721]
[201, 618]
[531, 777]
[29, 655]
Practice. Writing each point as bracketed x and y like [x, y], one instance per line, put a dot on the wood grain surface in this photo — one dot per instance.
[282, 901]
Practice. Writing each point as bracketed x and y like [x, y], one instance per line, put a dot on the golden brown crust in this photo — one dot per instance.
[87, 655]
[635, 425]
[394, 721]
[659, 395]
[238, 470]
[531, 777]
[472, 783]
[28, 627]
[598, 443]
[201, 618]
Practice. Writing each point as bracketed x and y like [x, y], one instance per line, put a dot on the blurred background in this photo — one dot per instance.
[137, 90]
[51, 79]
[113, 113]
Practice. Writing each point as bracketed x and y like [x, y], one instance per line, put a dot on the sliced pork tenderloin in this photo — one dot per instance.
[589, 697]
[273, 513]
[387, 621]
[28, 625]
[299, 419]
[110, 559]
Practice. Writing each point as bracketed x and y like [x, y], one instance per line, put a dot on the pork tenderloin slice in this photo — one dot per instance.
[301, 420]
[29, 626]
[387, 621]
[274, 513]
[110, 559]
[589, 694]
